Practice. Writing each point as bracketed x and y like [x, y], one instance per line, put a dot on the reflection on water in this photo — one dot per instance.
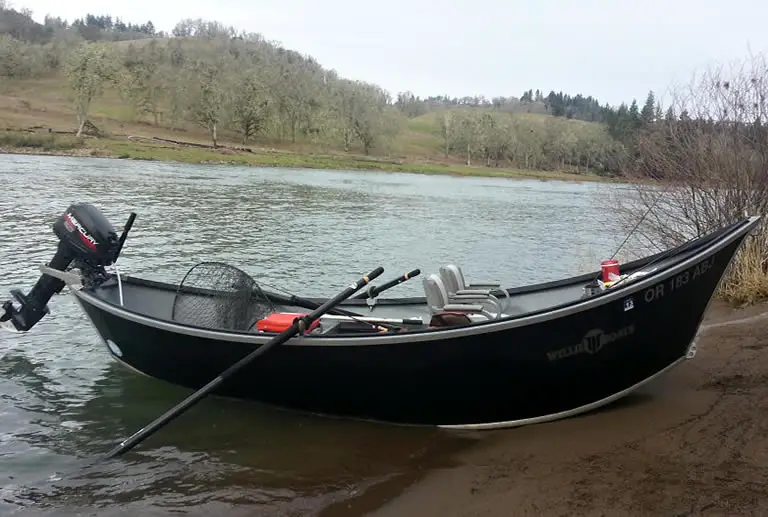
[221, 451]
[63, 401]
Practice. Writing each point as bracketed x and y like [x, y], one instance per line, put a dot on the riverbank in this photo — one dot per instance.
[148, 148]
[691, 443]
[411, 144]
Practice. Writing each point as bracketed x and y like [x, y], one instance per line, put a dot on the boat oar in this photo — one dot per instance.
[300, 324]
[303, 302]
[309, 304]
[374, 291]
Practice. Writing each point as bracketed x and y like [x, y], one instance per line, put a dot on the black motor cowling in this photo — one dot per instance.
[88, 241]
[87, 235]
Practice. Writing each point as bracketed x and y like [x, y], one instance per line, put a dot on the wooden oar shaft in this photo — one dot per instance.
[299, 324]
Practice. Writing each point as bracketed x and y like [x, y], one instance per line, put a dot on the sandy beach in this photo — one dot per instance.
[694, 442]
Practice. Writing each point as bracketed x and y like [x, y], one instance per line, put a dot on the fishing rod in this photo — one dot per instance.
[633, 230]
[389, 323]
[373, 291]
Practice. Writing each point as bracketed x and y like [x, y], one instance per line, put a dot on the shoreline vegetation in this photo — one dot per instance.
[206, 93]
[42, 142]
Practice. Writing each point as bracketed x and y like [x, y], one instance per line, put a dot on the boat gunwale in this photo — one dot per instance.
[710, 245]
[524, 289]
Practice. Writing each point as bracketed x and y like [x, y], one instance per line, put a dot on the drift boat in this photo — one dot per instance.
[461, 356]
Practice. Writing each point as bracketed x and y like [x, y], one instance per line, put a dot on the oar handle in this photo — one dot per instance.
[299, 325]
[373, 292]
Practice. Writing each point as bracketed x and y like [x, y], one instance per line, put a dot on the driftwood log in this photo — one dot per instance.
[191, 144]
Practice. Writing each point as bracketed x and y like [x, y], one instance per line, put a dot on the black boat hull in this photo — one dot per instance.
[528, 369]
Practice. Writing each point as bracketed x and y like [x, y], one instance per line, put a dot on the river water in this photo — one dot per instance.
[63, 401]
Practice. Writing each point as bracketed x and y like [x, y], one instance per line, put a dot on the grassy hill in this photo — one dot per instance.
[29, 108]
[197, 94]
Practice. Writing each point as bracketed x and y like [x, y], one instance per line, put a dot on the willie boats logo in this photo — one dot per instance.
[593, 341]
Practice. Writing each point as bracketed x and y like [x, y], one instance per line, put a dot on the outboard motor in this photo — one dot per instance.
[87, 241]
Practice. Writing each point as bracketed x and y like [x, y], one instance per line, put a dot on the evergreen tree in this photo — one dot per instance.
[647, 114]
[618, 121]
[634, 115]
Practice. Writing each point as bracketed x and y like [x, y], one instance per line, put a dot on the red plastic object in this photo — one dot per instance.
[279, 321]
[610, 267]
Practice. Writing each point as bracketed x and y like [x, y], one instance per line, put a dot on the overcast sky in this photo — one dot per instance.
[615, 50]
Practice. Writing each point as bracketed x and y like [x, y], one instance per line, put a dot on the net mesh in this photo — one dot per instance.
[219, 296]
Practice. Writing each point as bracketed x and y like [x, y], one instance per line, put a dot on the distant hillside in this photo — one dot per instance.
[206, 80]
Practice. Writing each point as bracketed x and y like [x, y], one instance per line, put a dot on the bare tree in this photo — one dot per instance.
[468, 133]
[363, 113]
[343, 106]
[706, 167]
[207, 96]
[88, 69]
[251, 105]
[367, 117]
[144, 80]
[295, 90]
[447, 130]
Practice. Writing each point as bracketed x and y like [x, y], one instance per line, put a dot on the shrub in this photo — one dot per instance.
[707, 162]
[44, 141]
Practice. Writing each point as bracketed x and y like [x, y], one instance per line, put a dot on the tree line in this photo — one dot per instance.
[237, 85]
[492, 138]
[229, 81]
[621, 120]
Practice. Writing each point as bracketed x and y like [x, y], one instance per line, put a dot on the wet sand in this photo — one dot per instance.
[694, 442]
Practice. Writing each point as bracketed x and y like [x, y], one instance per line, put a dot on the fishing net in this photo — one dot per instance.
[219, 296]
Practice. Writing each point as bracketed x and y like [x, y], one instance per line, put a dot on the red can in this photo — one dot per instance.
[610, 267]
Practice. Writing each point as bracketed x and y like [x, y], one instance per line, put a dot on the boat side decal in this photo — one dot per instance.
[593, 341]
[679, 281]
